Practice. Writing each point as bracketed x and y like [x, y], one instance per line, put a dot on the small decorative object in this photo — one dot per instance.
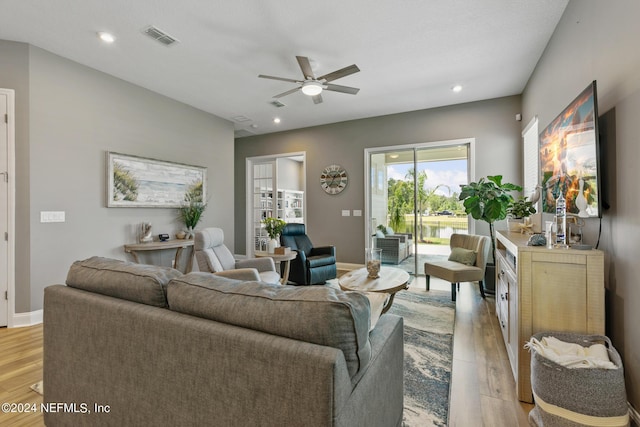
[163, 237]
[145, 233]
[274, 227]
[181, 234]
[333, 179]
[282, 250]
[561, 221]
[581, 201]
[526, 227]
[537, 240]
[549, 233]
[192, 209]
[373, 259]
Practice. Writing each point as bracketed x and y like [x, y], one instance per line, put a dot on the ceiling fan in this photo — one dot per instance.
[313, 86]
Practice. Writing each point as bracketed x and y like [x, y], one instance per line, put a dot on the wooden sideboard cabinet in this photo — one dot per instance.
[539, 290]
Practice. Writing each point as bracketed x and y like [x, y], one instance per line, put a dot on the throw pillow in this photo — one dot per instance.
[379, 234]
[145, 284]
[463, 256]
[389, 231]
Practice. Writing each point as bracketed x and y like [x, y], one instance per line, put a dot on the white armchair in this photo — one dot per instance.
[213, 256]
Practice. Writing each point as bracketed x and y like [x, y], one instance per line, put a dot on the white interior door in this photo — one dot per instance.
[6, 202]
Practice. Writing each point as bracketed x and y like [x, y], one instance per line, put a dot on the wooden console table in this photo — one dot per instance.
[540, 290]
[176, 244]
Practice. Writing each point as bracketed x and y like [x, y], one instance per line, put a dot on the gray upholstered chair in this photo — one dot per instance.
[213, 256]
[476, 251]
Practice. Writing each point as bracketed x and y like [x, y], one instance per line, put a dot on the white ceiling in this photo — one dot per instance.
[410, 52]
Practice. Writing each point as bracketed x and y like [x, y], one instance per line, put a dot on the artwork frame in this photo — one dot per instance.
[142, 182]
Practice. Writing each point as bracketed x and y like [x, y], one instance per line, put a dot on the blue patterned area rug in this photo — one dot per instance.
[428, 352]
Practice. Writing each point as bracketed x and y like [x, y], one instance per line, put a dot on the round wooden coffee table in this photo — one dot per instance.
[391, 280]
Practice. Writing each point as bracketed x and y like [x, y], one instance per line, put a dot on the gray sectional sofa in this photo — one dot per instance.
[137, 345]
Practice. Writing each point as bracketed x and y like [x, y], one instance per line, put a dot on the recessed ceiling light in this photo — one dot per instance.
[106, 37]
[456, 88]
[276, 120]
[394, 156]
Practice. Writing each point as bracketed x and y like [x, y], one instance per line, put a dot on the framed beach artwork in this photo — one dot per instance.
[140, 182]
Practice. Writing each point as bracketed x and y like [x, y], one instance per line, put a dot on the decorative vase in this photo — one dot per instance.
[581, 201]
[373, 259]
[272, 245]
[189, 234]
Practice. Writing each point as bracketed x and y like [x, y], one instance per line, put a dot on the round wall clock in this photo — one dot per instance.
[333, 179]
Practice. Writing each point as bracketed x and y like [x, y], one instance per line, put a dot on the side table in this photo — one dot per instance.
[286, 258]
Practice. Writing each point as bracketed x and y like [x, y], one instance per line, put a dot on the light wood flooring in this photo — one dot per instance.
[482, 386]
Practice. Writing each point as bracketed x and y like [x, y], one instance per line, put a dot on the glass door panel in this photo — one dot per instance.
[264, 204]
[413, 191]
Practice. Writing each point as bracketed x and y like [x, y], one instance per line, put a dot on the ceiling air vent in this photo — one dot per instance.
[277, 103]
[159, 35]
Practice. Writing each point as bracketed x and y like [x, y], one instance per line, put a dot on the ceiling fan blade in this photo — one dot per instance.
[317, 99]
[343, 72]
[343, 89]
[289, 92]
[305, 66]
[279, 78]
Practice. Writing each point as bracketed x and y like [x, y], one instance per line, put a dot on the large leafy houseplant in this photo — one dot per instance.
[488, 200]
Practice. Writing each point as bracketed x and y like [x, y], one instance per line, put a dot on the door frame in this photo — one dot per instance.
[11, 206]
[249, 162]
[471, 172]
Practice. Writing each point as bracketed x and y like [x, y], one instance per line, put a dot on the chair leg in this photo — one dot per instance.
[481, 283]
[453, 292]
[428, 281]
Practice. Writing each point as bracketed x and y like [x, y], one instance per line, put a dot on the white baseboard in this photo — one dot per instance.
[634, 415]
[20, 320]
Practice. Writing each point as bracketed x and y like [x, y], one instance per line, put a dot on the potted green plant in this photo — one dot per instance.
[273, 227]
[518, 211]
[488, 200]
[190, 213]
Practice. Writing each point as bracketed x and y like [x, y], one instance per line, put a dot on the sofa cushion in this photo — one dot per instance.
[145, 284]
[315, 314]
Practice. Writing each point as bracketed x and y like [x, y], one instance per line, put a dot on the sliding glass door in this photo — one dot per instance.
[412, 200]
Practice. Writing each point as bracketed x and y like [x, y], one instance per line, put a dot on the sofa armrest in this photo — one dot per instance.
[260, 264]
[246, 274]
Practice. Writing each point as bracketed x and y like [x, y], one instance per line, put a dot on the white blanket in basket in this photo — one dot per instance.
[571, 355]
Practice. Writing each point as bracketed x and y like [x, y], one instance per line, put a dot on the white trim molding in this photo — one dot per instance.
[20, 320]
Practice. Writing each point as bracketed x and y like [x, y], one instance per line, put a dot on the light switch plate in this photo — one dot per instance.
[357, 212]
[52, 216]
[346, 212]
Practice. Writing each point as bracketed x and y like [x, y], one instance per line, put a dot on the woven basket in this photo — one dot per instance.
[578, 397]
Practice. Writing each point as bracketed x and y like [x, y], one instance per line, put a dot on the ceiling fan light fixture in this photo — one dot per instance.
[312, 88]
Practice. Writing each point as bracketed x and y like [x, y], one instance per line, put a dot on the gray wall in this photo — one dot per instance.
[598, 40]
[492, 123]
[75, 114]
